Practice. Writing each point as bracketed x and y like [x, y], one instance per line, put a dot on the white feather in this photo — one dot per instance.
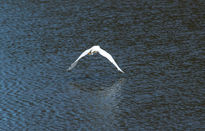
[101, 52]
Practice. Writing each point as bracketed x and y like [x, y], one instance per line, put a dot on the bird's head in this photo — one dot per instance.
[92, 52]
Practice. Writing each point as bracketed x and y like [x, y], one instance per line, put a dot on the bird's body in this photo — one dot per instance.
[91, 51]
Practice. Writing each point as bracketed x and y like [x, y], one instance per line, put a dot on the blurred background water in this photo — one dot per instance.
[159, 45]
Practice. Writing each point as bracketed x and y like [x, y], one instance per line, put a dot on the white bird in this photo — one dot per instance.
[91, 51]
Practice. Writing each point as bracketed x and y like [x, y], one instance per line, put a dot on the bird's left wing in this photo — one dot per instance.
[82, 55]
[109, 57]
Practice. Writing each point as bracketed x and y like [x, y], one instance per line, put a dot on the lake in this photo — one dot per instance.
[158, 44]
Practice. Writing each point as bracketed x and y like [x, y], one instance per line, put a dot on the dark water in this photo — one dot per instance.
[160, 46]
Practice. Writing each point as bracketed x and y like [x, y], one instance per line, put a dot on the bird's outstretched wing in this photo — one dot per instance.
[109, 57]
[75, 63]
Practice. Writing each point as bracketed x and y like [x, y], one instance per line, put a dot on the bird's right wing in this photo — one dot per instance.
[109, 57]
[81, 56]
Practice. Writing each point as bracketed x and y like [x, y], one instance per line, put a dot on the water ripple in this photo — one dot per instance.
[158, 44]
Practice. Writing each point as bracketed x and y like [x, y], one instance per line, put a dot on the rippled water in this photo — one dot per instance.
[160, 46]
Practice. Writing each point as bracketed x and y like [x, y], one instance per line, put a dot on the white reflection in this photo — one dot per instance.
[99, 108]
[107, 104]
[111, 93]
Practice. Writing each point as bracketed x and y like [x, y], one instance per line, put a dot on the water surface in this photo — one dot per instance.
[159, 45]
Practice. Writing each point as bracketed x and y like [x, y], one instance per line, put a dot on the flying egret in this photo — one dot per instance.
[91, 51]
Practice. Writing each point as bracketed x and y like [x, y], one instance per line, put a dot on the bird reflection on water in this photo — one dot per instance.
[106, 105]
[100, 107]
